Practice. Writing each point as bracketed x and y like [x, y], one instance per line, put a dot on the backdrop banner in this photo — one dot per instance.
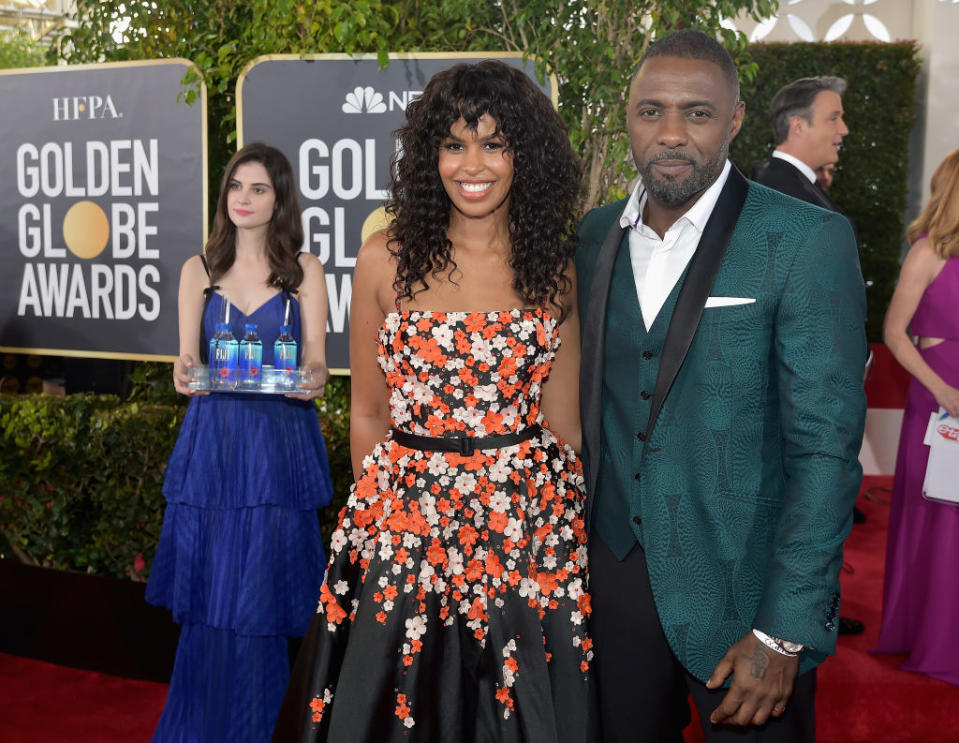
[334, 116]
[103, 190]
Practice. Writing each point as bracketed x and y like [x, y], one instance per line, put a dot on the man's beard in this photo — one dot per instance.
[676, 192]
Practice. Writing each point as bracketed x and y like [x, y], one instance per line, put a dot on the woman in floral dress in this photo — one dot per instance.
[455, 604]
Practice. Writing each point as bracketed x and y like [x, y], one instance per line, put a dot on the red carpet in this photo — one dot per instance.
[862, 698]
[43, 703]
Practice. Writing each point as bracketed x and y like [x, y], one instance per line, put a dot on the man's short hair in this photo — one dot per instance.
[691, 44]
[796, 99]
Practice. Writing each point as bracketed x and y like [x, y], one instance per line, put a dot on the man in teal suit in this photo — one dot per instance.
[722, 403]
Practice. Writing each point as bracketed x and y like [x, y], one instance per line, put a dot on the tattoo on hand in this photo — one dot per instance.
[757, 669]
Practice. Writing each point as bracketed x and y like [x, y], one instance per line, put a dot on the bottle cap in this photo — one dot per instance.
[284, 330]
[222, 327]
[250, 327]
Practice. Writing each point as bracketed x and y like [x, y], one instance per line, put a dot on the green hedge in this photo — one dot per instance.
[81, 476]
[81, 479]
[880, 104]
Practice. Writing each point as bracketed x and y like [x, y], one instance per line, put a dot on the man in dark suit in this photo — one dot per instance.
[723, 413]
[807, 122]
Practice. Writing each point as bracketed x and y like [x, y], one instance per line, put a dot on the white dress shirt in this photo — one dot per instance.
[658, 263]
[803, 168]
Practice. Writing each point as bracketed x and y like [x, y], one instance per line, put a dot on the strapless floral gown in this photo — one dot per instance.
[455, 603]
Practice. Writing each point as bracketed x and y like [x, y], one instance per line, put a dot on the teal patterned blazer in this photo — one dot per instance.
[746, 481]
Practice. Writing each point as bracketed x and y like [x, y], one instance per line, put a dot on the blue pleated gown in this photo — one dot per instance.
[240, 559]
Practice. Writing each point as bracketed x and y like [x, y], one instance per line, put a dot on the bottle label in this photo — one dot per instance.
[251, 358]
[285, 361]
[225, 364]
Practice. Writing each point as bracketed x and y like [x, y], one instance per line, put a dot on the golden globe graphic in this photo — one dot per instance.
[86, 229]
[377, 221]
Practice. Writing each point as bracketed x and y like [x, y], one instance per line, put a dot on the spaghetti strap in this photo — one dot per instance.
[207, 295]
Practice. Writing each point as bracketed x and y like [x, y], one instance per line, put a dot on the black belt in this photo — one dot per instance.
[463, 445]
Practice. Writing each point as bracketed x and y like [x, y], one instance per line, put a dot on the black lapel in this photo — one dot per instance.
[816, 195]
[703, 268]
[812, 193]
[827, 200]
[593, 334]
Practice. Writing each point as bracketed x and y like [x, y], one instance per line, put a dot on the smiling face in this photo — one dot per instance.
[681, 116]
[250, 196]
[476, 169]
[819, 142]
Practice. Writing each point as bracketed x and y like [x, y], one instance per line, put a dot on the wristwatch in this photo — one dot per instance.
[784, 647]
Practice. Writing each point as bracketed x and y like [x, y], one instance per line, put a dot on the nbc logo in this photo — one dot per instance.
[364, 100]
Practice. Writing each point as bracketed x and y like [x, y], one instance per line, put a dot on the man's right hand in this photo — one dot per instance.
[762, 683]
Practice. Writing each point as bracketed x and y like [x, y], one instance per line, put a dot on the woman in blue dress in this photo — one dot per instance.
[240, 558]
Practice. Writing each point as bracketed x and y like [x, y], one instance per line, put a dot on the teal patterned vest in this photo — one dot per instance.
[630, 367]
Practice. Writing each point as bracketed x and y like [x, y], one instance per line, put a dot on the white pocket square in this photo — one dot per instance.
[728, 301]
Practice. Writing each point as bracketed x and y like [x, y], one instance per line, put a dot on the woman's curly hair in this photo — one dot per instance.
[542, 197]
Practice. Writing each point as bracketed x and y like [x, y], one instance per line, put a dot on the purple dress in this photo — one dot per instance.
[920, 608]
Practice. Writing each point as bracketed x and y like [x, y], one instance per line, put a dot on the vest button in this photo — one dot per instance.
[636, 476]
[644, 394]
[641, 436]
[637, 520]
[648, 355]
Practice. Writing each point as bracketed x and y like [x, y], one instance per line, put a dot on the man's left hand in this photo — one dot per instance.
[762, 683]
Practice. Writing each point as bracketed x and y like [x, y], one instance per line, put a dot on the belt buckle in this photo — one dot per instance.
[467, 445]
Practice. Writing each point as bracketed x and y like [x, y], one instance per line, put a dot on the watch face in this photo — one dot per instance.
[792, 647]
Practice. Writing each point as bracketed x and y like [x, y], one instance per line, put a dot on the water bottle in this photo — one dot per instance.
[224, 361]
[284, 359]
[251, 358]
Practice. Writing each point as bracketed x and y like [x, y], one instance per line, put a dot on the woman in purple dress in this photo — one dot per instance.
[921, 598]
